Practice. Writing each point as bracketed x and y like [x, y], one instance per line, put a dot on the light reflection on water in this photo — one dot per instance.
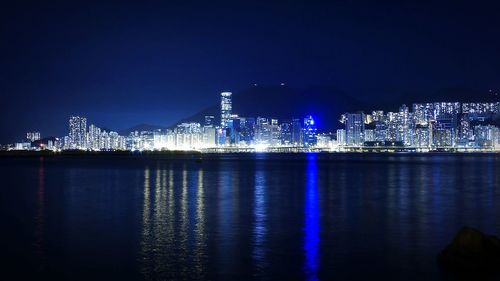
[309, 218]
[166, 227]
[201, 237]
[40, 218]
[260, 214]
[176, 243]
[311, 224]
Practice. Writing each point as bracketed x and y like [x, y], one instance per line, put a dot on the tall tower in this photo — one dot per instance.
[226, 106]
[355, 128]
[297, 132]
[77, 132]
[309, 131]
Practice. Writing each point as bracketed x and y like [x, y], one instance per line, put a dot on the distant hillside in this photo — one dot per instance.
[141, 127]
[325, 104]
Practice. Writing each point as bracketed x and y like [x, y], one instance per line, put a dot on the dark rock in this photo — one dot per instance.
[471, 252]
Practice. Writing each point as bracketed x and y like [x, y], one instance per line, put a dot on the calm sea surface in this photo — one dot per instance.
[241, 217]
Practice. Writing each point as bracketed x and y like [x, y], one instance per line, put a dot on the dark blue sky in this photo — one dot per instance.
[157, 62]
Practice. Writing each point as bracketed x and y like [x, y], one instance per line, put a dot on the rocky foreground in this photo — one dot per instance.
[472, 254]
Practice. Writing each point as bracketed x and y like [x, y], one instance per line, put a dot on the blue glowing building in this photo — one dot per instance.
[310, 132]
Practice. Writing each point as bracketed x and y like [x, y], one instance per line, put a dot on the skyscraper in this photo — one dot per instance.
[341, 137]
[355, 128]
[405, 126]
[275, 132]
[77, 132]
[296, 132]
[226, 107]
[247, 129]
[262, 131]
[286, 133]
[234, 130]
[94, 137]
[309, 131]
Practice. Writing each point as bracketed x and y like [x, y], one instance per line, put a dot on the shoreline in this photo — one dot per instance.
[80, 153]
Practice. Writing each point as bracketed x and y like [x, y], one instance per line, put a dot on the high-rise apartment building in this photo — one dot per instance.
[226, 107]
[286, 133]
[262, 131]
[297, 132]
[341, 137]
[33, 136]
[77, 132]
[355, 128]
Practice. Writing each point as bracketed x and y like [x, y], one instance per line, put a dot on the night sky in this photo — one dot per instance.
[155, 63]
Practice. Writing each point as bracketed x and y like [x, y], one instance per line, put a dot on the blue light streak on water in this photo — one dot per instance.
[436, 194]
[260, 229]
[311, 224]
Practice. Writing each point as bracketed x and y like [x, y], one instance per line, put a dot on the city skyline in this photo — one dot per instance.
[437, 126]
[328, 124]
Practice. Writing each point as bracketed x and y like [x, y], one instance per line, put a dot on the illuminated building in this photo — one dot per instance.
[310, 132]
[170, 135]
[33, 136]
[380, 131]
[378, 116]
[77, 132]
[324, 140]
[234, 130]
[94, 137]
[209, 136]
[369, 135]
[286, 133]
[486, 136]
[262, 131]
[247, 130]
[221, 136]
[22, 146]
[446, 123]
[275, 133]
[446, 108]
[159, 140]
[355, 128]
[423, 112]
[422, 137]
[442, 138]
[481, 108]
[341, 137]
[465, 133]
[226, 107]
[188, 136]
[297, 132]
[405, 126]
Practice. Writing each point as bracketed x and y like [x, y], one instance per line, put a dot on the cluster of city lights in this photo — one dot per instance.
[439, 126]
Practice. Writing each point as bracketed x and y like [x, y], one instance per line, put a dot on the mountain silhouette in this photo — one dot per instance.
[324, 103]
[141, 127]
